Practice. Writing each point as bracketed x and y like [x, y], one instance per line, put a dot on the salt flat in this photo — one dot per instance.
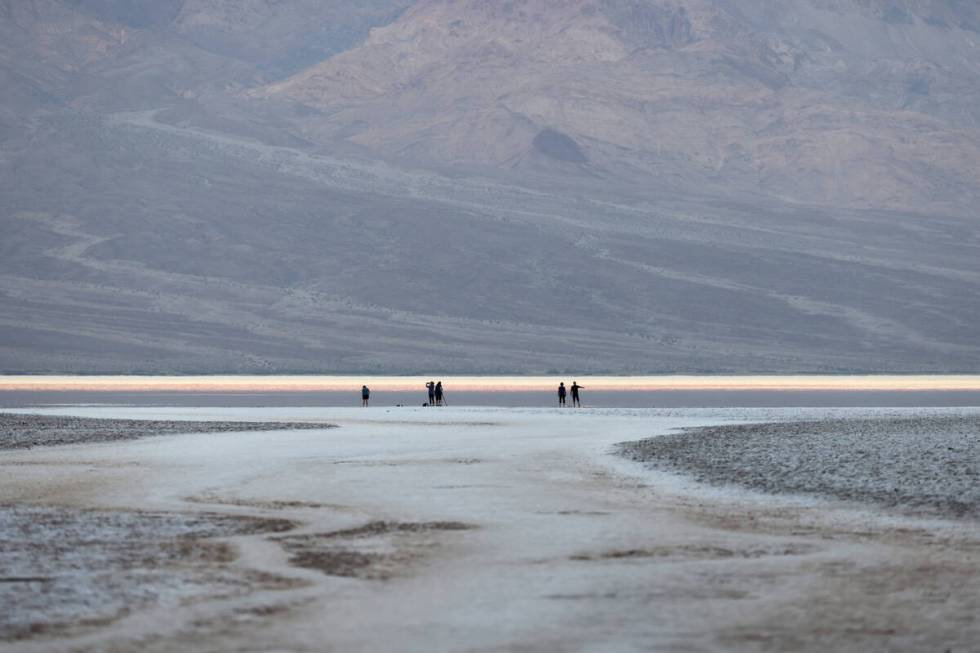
[460, 529]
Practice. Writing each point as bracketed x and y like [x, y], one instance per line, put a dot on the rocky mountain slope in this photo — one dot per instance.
[840, 103]
[465, 186]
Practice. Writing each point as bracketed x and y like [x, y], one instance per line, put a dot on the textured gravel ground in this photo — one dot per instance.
[26, 431]
[927, 463]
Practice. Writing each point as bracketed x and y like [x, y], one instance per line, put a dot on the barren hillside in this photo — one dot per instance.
[842, 104]
[537, 185]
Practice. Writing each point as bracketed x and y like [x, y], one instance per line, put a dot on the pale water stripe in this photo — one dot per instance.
[310, 383]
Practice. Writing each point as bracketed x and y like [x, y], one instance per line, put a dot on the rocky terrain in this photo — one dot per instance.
[395, 186]
[801, 100]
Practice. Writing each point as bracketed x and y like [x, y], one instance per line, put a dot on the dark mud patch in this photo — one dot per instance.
[28, 431]
[675, 593]
[583, 596]
[923, 465]
[230, 621]
[376, 528]
[69, 570]
[375, 463]
[699, 552]
[262, 504]
[70, 463]
[264, 610]
[379, 550]
[346, 562]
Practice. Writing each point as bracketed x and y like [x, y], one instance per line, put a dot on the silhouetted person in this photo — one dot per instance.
[432, 392]
[575, 388]
[561, 394]
[439, 394]
[365, 395]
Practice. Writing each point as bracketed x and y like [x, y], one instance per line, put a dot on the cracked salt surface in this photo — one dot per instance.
[500, 529]
[61, 569]
[23, 431]
[928, 463]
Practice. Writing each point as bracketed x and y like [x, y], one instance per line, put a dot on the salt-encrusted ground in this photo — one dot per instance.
[457, 529]
[19, 431]
[929, 463]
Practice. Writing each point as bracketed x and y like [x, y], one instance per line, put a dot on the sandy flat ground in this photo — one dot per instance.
[455, 530]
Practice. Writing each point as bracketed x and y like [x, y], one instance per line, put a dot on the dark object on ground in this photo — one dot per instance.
[927, 463]
[26, 431]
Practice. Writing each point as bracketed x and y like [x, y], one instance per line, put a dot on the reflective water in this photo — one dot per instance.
[599, 391]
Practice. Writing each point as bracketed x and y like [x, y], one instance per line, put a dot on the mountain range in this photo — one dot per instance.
[627, 186]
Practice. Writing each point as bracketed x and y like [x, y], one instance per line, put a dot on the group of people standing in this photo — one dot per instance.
[562, 392]
[437, 396]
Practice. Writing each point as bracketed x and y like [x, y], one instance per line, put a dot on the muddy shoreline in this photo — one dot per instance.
[925, 464]
[25, 431]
